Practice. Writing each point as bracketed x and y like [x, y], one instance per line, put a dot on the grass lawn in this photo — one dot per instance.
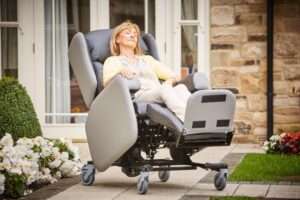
[267, 167]
[233, 198]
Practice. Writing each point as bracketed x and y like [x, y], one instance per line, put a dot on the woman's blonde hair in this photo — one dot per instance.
[114, 47]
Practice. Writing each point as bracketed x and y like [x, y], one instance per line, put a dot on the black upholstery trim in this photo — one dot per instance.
[198, 124]
[214, 98]
[223, 123]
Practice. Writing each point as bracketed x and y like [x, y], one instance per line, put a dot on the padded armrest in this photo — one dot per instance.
[233, 90]
[194, 82]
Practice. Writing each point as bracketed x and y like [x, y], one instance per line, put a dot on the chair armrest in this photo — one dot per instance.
[195, 81]
[233, 90]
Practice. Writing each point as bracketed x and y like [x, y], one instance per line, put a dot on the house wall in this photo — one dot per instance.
[287, 65]
[238, 60]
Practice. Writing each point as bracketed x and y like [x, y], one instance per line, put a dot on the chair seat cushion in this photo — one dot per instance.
[164, 116]
[159, 114]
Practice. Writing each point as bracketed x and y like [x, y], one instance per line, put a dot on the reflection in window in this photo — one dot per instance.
[9, 39]
[63, 18]
[189, 49]
[133, 10]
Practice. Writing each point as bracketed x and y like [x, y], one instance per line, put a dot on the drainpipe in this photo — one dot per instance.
[270, 49]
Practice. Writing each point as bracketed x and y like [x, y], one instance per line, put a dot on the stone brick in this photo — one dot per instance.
[256, 1]
[277, 76]
[222, 46]
[220, 58]
[260, 118]
[228, 34]
[241, 104]
[260, 131]
[256, 30]
[292, 72]
[286, 45]
[249, 19]
[280, 100]
[249, 84]
[286, 10]
[257, 38]
[250, 8]
[249, 69]
[223, 57]
[280, 87]
[225, 78]
[254, 50]
[287, 111]
[222, 15]
[257, 102]
[294, 88]
[278, 118]
[242, 127]
[227, 2]
[243, 115]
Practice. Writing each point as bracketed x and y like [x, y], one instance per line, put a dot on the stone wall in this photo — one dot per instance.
[238, 60]
[287, 65]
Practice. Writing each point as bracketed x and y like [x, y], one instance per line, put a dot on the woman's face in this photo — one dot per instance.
[127, 38]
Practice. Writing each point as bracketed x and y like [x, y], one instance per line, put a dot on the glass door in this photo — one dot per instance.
[192, 36]
[9, 38]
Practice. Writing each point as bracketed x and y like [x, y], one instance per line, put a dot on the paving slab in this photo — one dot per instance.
[252, 190]
[284, 191]
[208, 189]
[113, 184]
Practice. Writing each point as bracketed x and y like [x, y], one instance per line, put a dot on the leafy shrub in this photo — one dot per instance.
[17, 115]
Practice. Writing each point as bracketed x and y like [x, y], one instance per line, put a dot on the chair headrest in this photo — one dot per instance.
[98, 44]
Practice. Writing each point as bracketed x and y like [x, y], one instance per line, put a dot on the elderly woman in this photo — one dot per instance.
[129, 61]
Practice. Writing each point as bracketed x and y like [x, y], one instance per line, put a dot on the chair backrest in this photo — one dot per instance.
[87, 54]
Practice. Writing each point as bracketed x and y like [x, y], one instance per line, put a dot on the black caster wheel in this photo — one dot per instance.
[143, 183]
[164, 175]
[220, 179]
[87, 175]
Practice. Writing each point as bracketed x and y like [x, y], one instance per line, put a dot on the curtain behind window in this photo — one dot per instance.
[57, 62]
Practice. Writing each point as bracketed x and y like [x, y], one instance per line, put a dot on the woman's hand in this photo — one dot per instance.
[171, 81]
[128, 73]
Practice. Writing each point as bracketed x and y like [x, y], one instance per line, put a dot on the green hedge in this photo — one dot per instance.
[17, 115]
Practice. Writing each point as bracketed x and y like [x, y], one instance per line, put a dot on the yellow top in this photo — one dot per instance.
[149, 70]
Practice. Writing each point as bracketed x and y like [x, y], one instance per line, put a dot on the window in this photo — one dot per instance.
[8, 38]
[141, 12]
[63, 18]
[192, 30]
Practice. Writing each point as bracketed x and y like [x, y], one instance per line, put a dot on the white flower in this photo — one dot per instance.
[64, 156]
[2, 183]
[274, 138]
[7, 140]
[55, 164]
[25, 142]
[46, 151]
[15, 170]
[57, 175]
[66, 168]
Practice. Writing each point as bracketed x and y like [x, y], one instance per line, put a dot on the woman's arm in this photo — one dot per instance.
[111, 68]
[162, 71]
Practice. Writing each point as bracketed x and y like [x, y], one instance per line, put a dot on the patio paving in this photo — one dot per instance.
[182, 185]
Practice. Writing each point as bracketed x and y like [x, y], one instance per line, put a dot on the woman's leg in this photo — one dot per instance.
[182, 92]
[168, 95]
[173, 101]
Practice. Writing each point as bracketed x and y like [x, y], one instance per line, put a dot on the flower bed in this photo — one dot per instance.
[35, 161]
[284, 143]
